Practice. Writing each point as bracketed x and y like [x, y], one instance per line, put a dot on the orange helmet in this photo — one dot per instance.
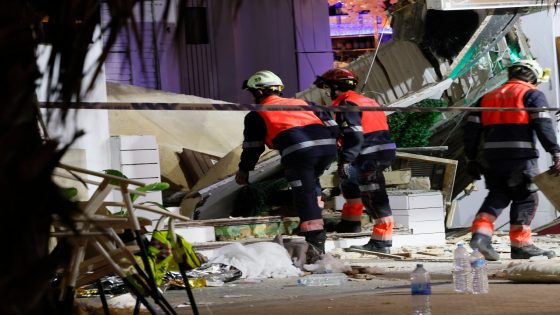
[343, 78]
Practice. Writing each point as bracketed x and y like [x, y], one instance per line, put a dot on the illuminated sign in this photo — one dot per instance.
[484, 4]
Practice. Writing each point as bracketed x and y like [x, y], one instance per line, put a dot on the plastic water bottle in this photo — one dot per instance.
[421, 290]
[322, 279]
[480, 273]
[462, 271]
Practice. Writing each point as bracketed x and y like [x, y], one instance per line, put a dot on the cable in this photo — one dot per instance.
[375, 54]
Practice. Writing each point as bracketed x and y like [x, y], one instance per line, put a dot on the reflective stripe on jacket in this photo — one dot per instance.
[278, 121]
[364, 134]
[508, 133]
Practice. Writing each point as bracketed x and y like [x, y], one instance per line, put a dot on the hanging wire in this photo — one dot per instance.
[375, 54]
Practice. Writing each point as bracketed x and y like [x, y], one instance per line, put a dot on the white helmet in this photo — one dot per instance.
[264, 79]
[541, 74]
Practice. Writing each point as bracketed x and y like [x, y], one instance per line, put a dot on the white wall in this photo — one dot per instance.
[95, 123]
[541, 29]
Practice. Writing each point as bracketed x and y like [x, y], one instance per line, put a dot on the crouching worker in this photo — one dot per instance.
[510, 154]
[367, 149]
[307, 148]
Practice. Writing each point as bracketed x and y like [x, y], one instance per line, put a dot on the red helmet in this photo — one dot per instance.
[338, 77]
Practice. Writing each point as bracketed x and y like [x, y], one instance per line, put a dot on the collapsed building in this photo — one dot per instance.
[424, 64]
[425, 60]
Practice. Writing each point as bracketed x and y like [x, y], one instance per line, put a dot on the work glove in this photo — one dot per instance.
[242, 177]
[343, 170]
[474, 169]
[555, 168]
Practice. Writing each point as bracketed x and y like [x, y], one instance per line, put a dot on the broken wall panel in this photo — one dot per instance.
[195, 164]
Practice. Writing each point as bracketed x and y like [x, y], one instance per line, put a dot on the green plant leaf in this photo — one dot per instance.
[154, 187]
[70, 192]
[159, 186]
[414, 129]
[114, 173]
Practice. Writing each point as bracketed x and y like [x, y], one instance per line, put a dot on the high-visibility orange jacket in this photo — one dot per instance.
[278, 121]
[509, 95]
[510, 134]
[296, 134]
[365, 133]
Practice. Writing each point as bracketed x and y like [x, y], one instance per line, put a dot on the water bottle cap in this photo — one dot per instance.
[460, 245]
[419, 265]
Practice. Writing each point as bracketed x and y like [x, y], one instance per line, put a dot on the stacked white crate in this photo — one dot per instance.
[137, 157]
[422, 212]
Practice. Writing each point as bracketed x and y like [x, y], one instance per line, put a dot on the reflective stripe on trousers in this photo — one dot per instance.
[311, 225]
[296, 183]
[520, 235]
[369, 187]
[383, 229]
[352, 212]
[483, 224]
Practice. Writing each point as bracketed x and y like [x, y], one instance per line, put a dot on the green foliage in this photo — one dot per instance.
[150, 187]
[69, 193]
[159, 186]
[252, 199]
[114, 173]
[413, 129]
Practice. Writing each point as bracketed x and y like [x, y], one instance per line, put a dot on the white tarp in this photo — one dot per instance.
[211, 132]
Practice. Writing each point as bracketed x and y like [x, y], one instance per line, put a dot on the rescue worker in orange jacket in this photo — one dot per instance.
[307, 148]
[366, 150]
[510, 155]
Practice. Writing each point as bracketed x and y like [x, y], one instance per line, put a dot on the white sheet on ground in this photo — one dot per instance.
[259, 260]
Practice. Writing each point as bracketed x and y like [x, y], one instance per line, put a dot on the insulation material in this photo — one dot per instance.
[175, 130]
[535, 272]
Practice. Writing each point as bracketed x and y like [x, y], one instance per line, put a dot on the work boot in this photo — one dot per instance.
[484, 245]
[345, 226]
[316, 239]
[374, 246]
[527, 252]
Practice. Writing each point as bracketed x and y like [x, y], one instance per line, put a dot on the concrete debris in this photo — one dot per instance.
[327, 264]
[344, 255]
[417, 183]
